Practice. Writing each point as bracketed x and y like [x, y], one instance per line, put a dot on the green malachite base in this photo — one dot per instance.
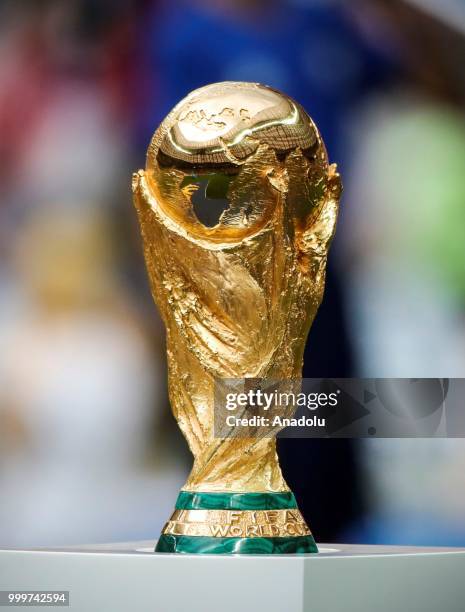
[187, 500]
[245, 546]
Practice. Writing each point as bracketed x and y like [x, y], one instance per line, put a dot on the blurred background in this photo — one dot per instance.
[89, 451]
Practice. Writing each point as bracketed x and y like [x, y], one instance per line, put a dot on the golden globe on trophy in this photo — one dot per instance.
[237, 208]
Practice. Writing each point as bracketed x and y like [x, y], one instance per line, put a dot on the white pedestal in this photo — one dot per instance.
[341, 578]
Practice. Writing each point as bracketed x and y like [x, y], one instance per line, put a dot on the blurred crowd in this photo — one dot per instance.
[88, 448]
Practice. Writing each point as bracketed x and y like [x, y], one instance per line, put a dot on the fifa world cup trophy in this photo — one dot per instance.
[237, 208]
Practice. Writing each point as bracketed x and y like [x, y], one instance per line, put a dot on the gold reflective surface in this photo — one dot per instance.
[237, 207]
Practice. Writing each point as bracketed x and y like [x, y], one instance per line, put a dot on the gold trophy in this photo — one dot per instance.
[237, 208]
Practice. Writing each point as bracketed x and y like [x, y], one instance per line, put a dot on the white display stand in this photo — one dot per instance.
[341, 578]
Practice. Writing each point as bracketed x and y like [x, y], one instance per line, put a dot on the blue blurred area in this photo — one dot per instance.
[83, 85]
[313, 53]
